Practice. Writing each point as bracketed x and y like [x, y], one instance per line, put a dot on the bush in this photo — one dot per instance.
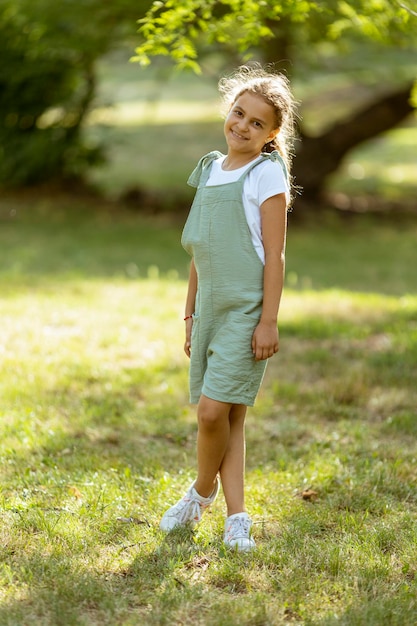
[47, 82]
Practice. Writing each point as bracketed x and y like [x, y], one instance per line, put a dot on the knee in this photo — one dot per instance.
[209, 419]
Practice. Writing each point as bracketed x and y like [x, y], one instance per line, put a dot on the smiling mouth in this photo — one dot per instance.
[235, 134]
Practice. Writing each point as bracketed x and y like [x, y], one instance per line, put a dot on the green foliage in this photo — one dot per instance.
[298, 38]
[47, 82]
[179, 29]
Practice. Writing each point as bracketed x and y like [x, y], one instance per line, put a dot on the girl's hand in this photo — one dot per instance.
[265, 341]
[187, 344]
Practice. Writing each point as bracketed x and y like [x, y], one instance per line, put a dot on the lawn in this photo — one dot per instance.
[98, 437]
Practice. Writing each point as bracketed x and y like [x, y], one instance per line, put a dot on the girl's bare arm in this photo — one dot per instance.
[265, 340]
[190, 306]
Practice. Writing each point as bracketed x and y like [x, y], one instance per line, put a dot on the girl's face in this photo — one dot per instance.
[249, 125]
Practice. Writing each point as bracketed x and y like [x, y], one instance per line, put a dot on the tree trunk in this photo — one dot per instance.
[278, 50]
[318, 157]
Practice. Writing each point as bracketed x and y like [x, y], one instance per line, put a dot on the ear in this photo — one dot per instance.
[272, 135]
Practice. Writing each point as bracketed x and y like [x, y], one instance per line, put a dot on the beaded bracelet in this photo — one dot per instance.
[187, 317]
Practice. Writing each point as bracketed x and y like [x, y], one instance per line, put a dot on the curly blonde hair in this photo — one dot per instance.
[274, 88]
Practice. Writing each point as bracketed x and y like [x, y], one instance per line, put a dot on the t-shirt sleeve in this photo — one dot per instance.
[271, 181]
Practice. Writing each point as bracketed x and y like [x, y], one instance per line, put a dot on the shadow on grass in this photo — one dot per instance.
[84, 243]
[42, 243]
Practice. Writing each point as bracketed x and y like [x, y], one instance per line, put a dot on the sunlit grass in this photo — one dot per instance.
[98, 437]
[385, 166]
[160, 113]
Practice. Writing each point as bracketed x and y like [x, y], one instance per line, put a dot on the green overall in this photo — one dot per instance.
[230, 290]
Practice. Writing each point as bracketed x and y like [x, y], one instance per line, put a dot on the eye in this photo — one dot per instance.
[257, 124]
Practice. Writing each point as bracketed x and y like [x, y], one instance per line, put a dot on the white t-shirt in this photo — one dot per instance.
[264, 181]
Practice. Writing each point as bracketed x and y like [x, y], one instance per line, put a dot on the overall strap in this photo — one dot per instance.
[201, 172]
[272, 156]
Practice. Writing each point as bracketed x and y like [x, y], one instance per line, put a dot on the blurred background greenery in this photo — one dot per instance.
[75, 111]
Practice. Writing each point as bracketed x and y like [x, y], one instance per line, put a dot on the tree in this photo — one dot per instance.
[47, 82]
[301, 35]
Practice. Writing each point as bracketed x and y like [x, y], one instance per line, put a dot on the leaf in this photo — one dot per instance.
[132, 520]
[309, 494]
[75, 492]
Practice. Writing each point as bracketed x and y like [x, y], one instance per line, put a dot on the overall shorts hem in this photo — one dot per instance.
[248, 400]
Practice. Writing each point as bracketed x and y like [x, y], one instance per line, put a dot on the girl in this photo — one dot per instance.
[235, 233]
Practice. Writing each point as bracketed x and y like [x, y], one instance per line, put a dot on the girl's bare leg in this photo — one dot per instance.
[221, 447]
[212, 442]
[232, 470]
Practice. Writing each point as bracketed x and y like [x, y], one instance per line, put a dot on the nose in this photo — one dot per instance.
[243, 124]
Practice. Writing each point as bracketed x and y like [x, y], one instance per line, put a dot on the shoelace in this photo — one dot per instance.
[188, 509]
[239, 527]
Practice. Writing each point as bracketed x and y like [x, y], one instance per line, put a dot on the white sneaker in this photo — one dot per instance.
[188, 510]
[237, 532]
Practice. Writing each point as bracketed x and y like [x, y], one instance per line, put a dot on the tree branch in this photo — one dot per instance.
[320, 156]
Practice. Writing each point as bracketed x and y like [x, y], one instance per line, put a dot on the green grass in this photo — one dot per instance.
[96, 427]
